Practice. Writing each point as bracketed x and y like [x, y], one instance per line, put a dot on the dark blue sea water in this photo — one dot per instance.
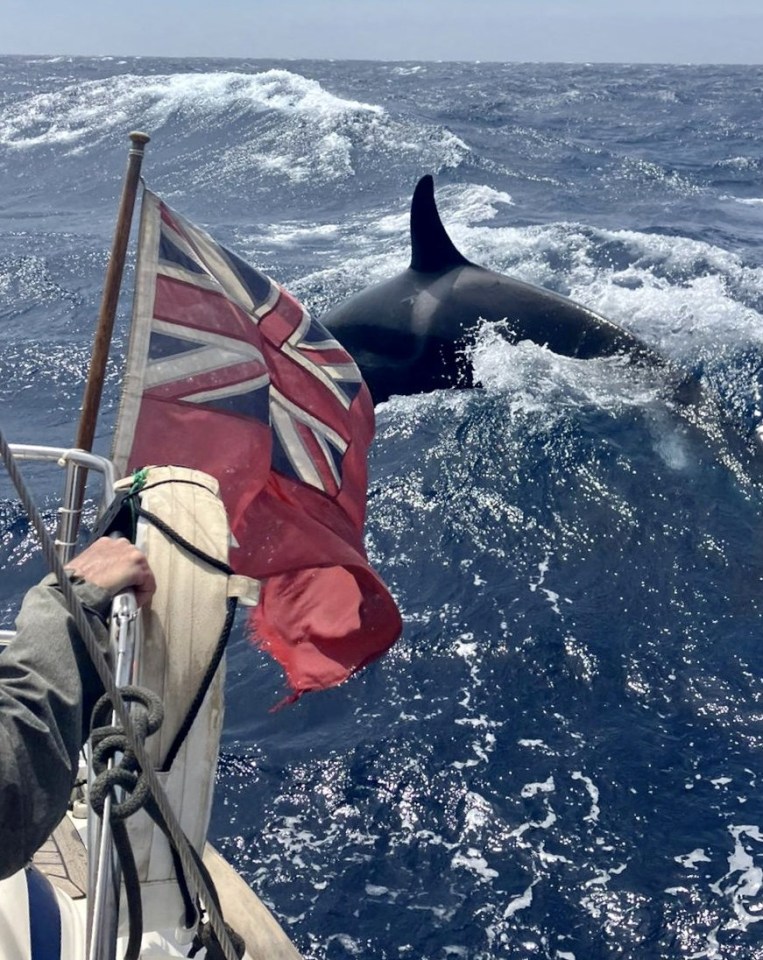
[562, 756]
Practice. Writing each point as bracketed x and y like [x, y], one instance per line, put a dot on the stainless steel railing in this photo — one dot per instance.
[76, 464]
[104, 874]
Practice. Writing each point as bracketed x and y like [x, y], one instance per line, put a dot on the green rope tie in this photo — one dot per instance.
[139, 478]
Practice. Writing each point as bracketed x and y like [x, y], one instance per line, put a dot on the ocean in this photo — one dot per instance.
[561, 758]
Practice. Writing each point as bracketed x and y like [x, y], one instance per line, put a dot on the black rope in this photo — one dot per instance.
[108, 740]
[205, 939]
[163, 483]
[190, 911]
[131, 883]
[222, 643]
[206, 680]
[167, 530]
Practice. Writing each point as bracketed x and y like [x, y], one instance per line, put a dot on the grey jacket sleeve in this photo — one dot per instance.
[48, 687]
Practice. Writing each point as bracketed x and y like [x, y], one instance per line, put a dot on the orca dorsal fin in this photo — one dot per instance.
[432, 250]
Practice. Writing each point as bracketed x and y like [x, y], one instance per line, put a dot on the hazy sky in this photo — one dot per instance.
[676, 31]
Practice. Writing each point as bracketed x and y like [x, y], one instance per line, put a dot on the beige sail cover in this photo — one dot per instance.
[180, 632]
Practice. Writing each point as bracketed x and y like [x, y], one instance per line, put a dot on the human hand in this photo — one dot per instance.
[115, 565]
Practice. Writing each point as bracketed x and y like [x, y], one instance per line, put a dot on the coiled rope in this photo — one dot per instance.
[108, 744]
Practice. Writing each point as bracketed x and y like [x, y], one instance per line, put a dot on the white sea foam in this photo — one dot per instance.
[539, 381]
[719, 782]
[348, 945]
[743, 882]
[551, 595]
[519, 903]
[712, 949]
[690, 860]
[593, 793]
[532, 789]
[409, 71]
[375, 891]
[602, 877]
[535, 744]
[669, 446]
[473, 861]
[466, 203]
[302, 129]
[292, 234]
[738, 163]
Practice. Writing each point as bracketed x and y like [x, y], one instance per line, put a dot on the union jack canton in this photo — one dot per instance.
[225, 337]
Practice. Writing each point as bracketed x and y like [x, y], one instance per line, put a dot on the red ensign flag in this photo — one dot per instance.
[228, 374]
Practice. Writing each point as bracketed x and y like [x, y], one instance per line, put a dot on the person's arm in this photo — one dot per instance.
[48, 687]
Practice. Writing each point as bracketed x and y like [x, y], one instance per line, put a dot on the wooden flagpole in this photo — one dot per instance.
[76, 476]
[112, 283]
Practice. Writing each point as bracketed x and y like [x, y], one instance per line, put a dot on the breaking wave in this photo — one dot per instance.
[286, 126]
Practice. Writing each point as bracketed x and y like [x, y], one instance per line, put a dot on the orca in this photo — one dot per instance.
[408, 334]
